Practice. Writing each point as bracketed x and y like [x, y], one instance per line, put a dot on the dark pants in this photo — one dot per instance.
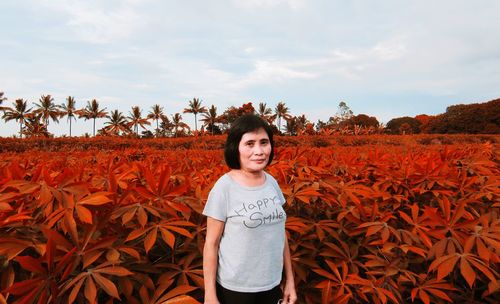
[227, 296]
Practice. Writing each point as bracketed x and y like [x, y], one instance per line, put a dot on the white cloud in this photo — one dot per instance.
[143, 86]
[93, 23]
[349, 63]
[293, 4]
[96, 62]
[271, 72]
[250, 50]
[394, 48]
[34, 80]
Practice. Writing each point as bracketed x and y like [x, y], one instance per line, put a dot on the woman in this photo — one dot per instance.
[246, 246]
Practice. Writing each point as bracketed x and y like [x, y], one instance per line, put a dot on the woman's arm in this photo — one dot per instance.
[210, 257]
[289, 293]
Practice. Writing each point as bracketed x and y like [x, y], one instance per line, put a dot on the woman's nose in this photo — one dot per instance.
[258, 150]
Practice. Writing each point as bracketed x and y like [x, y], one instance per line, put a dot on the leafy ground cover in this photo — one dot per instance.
[380, 223]
[74, 144]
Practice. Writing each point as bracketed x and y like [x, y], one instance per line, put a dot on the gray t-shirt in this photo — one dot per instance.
[251, 246]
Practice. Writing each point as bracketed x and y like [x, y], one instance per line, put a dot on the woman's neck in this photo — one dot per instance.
[248, 178]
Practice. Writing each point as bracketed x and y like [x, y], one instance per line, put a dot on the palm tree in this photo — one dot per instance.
[68, 109]
[178, 123]
[92, 111]
[166, 125]
[210, 118]
[117, 123]
[34, 127]
[302, 121]
[156, 113]
[47, 109]
[136, 120]
[292, 125]
[2, 99]
[265, 113]
[281, 110]
[17, 113]
[195, 108]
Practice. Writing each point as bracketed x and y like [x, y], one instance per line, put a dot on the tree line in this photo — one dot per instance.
[34, 121]
[475, 118]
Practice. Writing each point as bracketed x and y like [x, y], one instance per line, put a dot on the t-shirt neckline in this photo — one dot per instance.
[252, 188]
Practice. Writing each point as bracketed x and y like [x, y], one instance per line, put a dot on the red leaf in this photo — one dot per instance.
[447, 266]
[438, 293]
[179, 290]
[84, 214]
[74, 292]
[90, 290]
[424, 296]
[114, 270]
[467, 272]
[30, 264]
[168, 237]
[96, 199]
[131, 252]
[90, 257]
[136, 233]
[106, 285]
[150, 239]
[23, 287]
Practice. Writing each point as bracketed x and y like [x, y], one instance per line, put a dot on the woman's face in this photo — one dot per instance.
[254, 149]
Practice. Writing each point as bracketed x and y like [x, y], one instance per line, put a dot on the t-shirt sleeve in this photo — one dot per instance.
[278, 189]
[216, 206]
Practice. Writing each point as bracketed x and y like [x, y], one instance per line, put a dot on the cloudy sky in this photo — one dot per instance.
[383, 58]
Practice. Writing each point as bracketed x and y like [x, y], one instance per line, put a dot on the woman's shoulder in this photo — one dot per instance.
[270, 178]
[222, 182]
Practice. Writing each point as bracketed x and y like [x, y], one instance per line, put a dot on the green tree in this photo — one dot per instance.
[411, 125]
[344, 112]
[424, 122]
[468, 118]
[265, 113]
[362, 120]
[302, 121]
[34, 127]
[405, 128]
[2, 98]
[93, 111]
[166, 126]
[68, 109]
[232, 113]
[156, 113]
[178, 123]
[281, 111]
[294, 124]
[135, 119]
[116, 124]
[195, 108]
[291, 126]
[210, 118]
[320, 125]
[19, 112]
[47, 109]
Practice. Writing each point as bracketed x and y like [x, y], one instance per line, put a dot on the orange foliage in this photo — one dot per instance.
[378, 224]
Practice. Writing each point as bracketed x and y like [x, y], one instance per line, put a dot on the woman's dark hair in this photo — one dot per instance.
[244, 124]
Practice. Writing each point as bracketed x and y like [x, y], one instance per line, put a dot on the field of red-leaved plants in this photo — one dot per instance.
[369, 223]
